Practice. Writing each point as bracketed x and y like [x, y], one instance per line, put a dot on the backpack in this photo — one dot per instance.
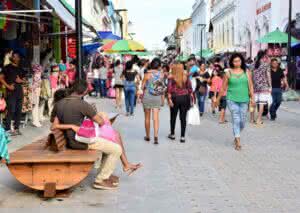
[157, 87]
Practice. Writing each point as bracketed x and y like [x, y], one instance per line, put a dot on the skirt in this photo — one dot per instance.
[151, 101]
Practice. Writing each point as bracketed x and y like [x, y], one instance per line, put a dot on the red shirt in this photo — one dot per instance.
[71, 73]
[175, 91]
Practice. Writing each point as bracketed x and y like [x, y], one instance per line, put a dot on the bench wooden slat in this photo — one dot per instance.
[47, 156]
[39, 145]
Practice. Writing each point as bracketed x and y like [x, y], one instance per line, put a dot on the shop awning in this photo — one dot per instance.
[108, 35]
[91, 48]
[67, 14]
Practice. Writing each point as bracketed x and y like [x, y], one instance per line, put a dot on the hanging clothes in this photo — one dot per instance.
[27, 98]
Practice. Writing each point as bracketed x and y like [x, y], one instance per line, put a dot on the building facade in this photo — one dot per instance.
[268, 20]
[200, 15]
[182, 25]
[187, 41]
[231, 21]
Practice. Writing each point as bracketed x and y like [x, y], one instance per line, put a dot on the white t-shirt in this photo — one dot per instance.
[96, 73]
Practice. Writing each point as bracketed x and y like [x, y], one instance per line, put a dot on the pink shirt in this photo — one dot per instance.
[216, 85]
[53, 81]
[71, 75]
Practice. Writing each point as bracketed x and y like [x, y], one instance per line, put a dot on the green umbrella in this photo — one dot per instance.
[276, 37]
[182, 58]
[206, 53]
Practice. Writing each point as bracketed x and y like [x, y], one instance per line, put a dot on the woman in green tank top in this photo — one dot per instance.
[239, 86]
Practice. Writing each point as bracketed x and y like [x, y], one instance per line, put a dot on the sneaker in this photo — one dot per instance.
[182, 140]
[171, 137]
[105, 185]
[115, 180]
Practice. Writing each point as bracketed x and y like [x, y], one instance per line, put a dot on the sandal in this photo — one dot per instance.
[156, 140]
[259, 124]
[171, 137]
[130, 171]
[238, 146]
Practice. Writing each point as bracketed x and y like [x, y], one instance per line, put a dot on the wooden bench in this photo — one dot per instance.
[47, 165]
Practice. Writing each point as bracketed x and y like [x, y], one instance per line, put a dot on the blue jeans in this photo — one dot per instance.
[129, 91]
[277, 99]
[238, 114]
[201, 101]
[103, 87]
[97, 86]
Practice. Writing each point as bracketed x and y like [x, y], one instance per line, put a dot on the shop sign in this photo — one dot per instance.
[72, 47]
[263, 8]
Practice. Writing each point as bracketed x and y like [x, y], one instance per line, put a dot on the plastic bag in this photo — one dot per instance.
[193, 116]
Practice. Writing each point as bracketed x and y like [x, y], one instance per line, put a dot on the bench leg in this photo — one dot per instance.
[50, 190]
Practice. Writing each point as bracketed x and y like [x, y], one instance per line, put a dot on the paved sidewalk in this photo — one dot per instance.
[204, 175]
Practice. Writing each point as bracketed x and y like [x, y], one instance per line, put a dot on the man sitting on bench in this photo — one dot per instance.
[70, 112]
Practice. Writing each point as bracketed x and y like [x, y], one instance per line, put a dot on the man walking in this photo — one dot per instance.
[12, 78]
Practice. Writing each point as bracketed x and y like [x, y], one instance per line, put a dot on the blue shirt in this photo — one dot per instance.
[193, 70]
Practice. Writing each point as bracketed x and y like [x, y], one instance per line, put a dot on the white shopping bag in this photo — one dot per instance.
[193, 116]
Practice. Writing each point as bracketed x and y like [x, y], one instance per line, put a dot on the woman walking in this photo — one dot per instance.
[119, 85]
[262, 83]
[130, 77]
[153, 88]
[239, 85]
[96, 75]
[103, 78]
[202, 78]
[179, 96]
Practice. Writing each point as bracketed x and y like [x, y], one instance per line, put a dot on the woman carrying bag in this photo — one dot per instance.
[180, 97]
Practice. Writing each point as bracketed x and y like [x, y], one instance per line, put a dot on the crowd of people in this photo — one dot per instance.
[239, 86]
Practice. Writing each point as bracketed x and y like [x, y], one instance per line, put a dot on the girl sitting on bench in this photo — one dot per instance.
[127, 166]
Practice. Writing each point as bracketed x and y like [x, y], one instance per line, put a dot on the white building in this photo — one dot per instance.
[187, 41]
[95, 12]
[270, 15]
[200, 15]
[231, 21]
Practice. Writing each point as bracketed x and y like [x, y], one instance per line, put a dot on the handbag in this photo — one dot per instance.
[111, 93]
[90, 130]
[87, 129]
[193, 116]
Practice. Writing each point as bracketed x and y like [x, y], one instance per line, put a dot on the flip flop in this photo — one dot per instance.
[132, 170]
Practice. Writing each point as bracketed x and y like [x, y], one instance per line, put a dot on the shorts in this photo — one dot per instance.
[119, 86]
[223, 103]
[263, 98]
[211, 94]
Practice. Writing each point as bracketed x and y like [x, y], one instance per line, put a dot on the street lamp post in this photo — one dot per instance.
[78, 15]
[201, 38]
[289, 58]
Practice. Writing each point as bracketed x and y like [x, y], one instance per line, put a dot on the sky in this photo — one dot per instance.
[154, 19]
